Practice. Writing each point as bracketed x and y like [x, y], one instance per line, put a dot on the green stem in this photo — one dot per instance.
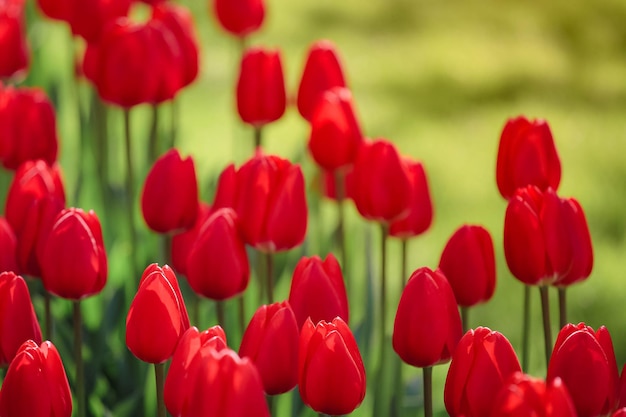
[47, 300]
[153, 140]
[562, 307]
[167, 248]
[405, 261]
[271, 404]
[383, 287]
[130, 190]
[547, 332]
[257, 137]
[174, 122]
[221, 316]
[270, 277]
[242, 313]
[260, 273]
[526, 329]
[101, 154]
[465, 318]
[78, 353]
[81, 129]
[195, 310]
[341, 228]
[428, 391]
[159, 373]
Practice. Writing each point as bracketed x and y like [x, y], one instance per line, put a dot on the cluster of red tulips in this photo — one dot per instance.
[260, 208]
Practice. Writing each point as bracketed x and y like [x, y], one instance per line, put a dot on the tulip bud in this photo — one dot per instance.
[217, 264]
[36, 369]
[427, 327]
[271, 342]
[481, 364]
[318, 290]
[239, 17]
[90, 18]
[322, 71]
[8, 260]
[157, 317]
[527, 156]
[585, 360]
[331, 375]
[18, 322]
[184, 241]
[468, 262]
[13, 44]
[420, 215]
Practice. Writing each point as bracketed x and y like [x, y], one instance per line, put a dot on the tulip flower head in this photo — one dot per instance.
[183, 242]
[239, 17]
[420, 214]
[8, 242]
[13, 44]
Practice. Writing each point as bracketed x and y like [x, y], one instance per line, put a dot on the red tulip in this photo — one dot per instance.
[427, 327]
[622, 388]
[322, 71]
[382, 190]
[267, 193]
[468, 262]
[585, 360]
[73, 261]
[481, 364]
[546, 239]
[271, 342]
[169, 200]
[8, 242]
[239, 17]
[191, 345]
[27, 127]
[56, 9]
[527, 156]
[331, 375]
[261, 96]
[524, 396]
[621, 412]
[184, 241]
[13, 44]
[335, 133]
[36, 369]
[18, 322]
[318, 290]
[420, 214]
[157, 317]
[217, 264]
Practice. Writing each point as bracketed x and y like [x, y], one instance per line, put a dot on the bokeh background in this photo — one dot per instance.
[437, 78]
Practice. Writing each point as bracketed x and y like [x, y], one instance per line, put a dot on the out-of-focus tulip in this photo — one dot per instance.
[261, 96]
[18, 322]
[585, 360]
[36, 369]
[239, 17]
[56, 9]
[546, 239]
[271, 341]
[267, 192]
[8, 242]
[524, 396]
[427, 327]
[481, 364]
[331, 375]
[322, 71]
[622, 388]
[382, 189]
[335, 132]
[468, 262]
[527, 156]
[178, 381]
[13, 44]
[73, 260]
[27, 127]
[318, 290]
[184, 241]
[169, 200]
[620, 412]
[157, 317]
[420, 214]
[217, 264]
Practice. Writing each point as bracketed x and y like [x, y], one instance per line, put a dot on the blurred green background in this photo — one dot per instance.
[437, 78]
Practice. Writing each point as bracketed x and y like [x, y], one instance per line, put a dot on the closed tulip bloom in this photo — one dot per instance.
[382, 189]
[183, 242]
[18, 322]
[420, 214]
[318, 290]
[239, 17]
[157, 317]
[169, 199]
[261, 96]
[481, 364]
[13, 44]
[527, 156]
[271, 342]
[56, 9]
[36, 369]
[335, 132]
[427, 327]
[89, 18]
[217, 264]
[73, 260]
[8, 242]
[27, 127]
[468, 262]
[322, 71]
[331, 375]
[524, 396]
[585, 360]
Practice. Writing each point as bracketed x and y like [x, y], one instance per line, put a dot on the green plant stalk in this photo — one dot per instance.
[526, 329]
[562, 307]
[130, 190]
[242, 313]
[195, 310]
[221, 316]
[271, 404]
[167, 248]
[547, 332]
[339, 177]
[258, 138]
[159, 373]
[173, 122]
[153, 139]
[269, 279]
[465, 318]
[102, 150]
[47, 300]
[428, 391]
[381, 401]
[78, 354]
[81, 127]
